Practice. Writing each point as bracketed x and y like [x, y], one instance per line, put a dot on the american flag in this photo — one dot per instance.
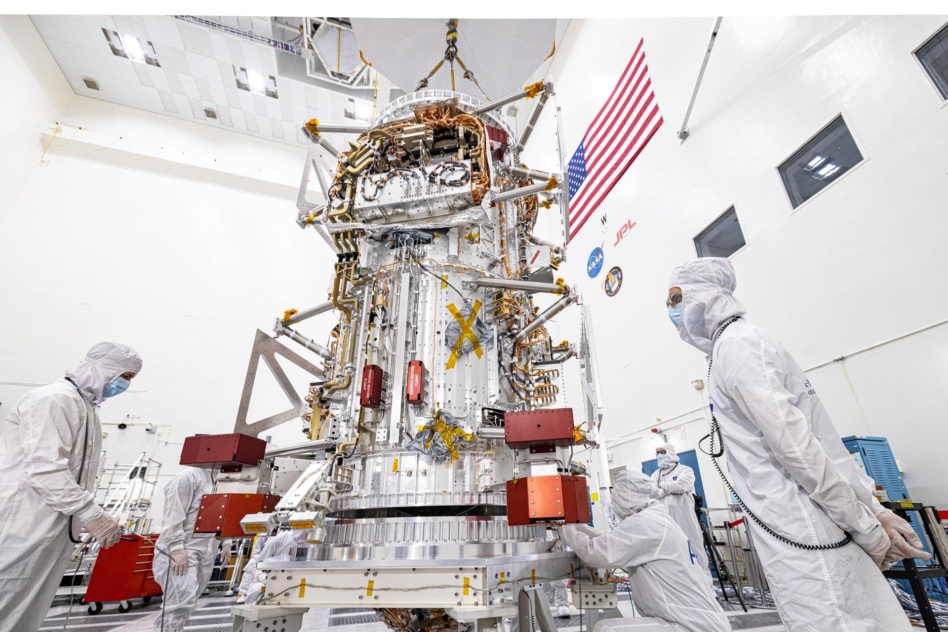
[612, 141]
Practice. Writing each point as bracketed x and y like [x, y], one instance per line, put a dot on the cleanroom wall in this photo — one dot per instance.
[179, 240]
[855, 267]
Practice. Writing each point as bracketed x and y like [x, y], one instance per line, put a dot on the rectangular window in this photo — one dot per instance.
[933, 56]
[253, 81]
[357, 110]
[826, 157]
[722, 238]
[131, 48]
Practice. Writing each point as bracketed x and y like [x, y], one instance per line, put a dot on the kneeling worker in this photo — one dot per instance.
[668, 585]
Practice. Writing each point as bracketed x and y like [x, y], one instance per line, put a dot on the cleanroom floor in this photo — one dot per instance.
[213, 615]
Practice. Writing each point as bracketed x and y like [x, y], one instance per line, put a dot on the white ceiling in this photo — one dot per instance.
[196, 73]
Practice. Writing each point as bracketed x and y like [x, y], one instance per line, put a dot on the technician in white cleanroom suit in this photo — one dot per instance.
[668, 586]
[790, 467]
[674, 485]
[279, 548]
[183, 559]
[49, 458]
[249, 575]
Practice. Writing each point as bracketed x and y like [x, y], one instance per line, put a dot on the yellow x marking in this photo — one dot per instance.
[466, 333]
[448, 434]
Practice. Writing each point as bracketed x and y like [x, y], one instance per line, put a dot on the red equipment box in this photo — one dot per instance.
[123, 572]
[534, 428]
[497, 139]
[222, 513]
[371, 396]
[547, 499]
[223, 449]
[415, 387]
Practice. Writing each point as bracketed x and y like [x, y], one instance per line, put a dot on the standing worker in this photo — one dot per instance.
[664, 578]
[674, 485]
[183, 559]
[50, 447]
[820, 533]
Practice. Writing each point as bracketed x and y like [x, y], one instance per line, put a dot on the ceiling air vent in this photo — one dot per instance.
[90, 83]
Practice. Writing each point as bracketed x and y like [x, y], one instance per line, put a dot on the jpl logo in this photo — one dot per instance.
[629, 224]
[594, 265]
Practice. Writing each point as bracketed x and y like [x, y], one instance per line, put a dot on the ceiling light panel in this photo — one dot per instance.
[158, 64]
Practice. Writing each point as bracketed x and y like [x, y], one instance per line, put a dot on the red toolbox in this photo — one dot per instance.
[222, 513]
[123, 572]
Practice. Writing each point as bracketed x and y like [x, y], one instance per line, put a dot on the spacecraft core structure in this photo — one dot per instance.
[439, 449]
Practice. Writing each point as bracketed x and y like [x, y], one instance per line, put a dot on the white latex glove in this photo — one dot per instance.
[179, 562]
[878, 549]
[103, 528]
[658, 492]
[225, 552]
[904, 541]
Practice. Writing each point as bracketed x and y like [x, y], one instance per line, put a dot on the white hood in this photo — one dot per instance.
[630, 494]
[671, 457]
[103, 363]
[707, 287]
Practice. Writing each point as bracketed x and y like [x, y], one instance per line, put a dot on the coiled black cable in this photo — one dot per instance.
[85, 450]
[715, 453]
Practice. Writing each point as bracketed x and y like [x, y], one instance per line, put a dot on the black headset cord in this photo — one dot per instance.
[714, 454]
[85, 450]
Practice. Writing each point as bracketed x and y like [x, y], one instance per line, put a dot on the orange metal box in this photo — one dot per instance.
[547, 499]
[222, 513]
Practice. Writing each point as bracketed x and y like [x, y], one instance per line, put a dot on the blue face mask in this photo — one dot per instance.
[661, 458]
[674, 313]
[115, 387]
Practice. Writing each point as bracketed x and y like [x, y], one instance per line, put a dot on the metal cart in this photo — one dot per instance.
[123, 573]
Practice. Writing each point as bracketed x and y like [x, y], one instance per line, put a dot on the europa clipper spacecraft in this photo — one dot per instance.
[439, 456]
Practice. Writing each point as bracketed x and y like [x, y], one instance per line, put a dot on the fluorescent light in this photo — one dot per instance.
[816, 162]
[255, 79]
[828, 170]
[133, 48]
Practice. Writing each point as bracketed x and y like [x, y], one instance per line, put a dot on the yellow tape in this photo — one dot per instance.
[467, 586]
[503, 577]
[288, 314]
[466, 333]
[533, 576]
[552, 52]
[448, 433]
[534, 89]
[444, 281]
[595, 497]
[551, 184]
[394, 466]
[572, 569]
[369, 588]
[302, 587]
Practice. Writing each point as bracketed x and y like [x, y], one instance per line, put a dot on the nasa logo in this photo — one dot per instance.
[613, 282]
[594, 265]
